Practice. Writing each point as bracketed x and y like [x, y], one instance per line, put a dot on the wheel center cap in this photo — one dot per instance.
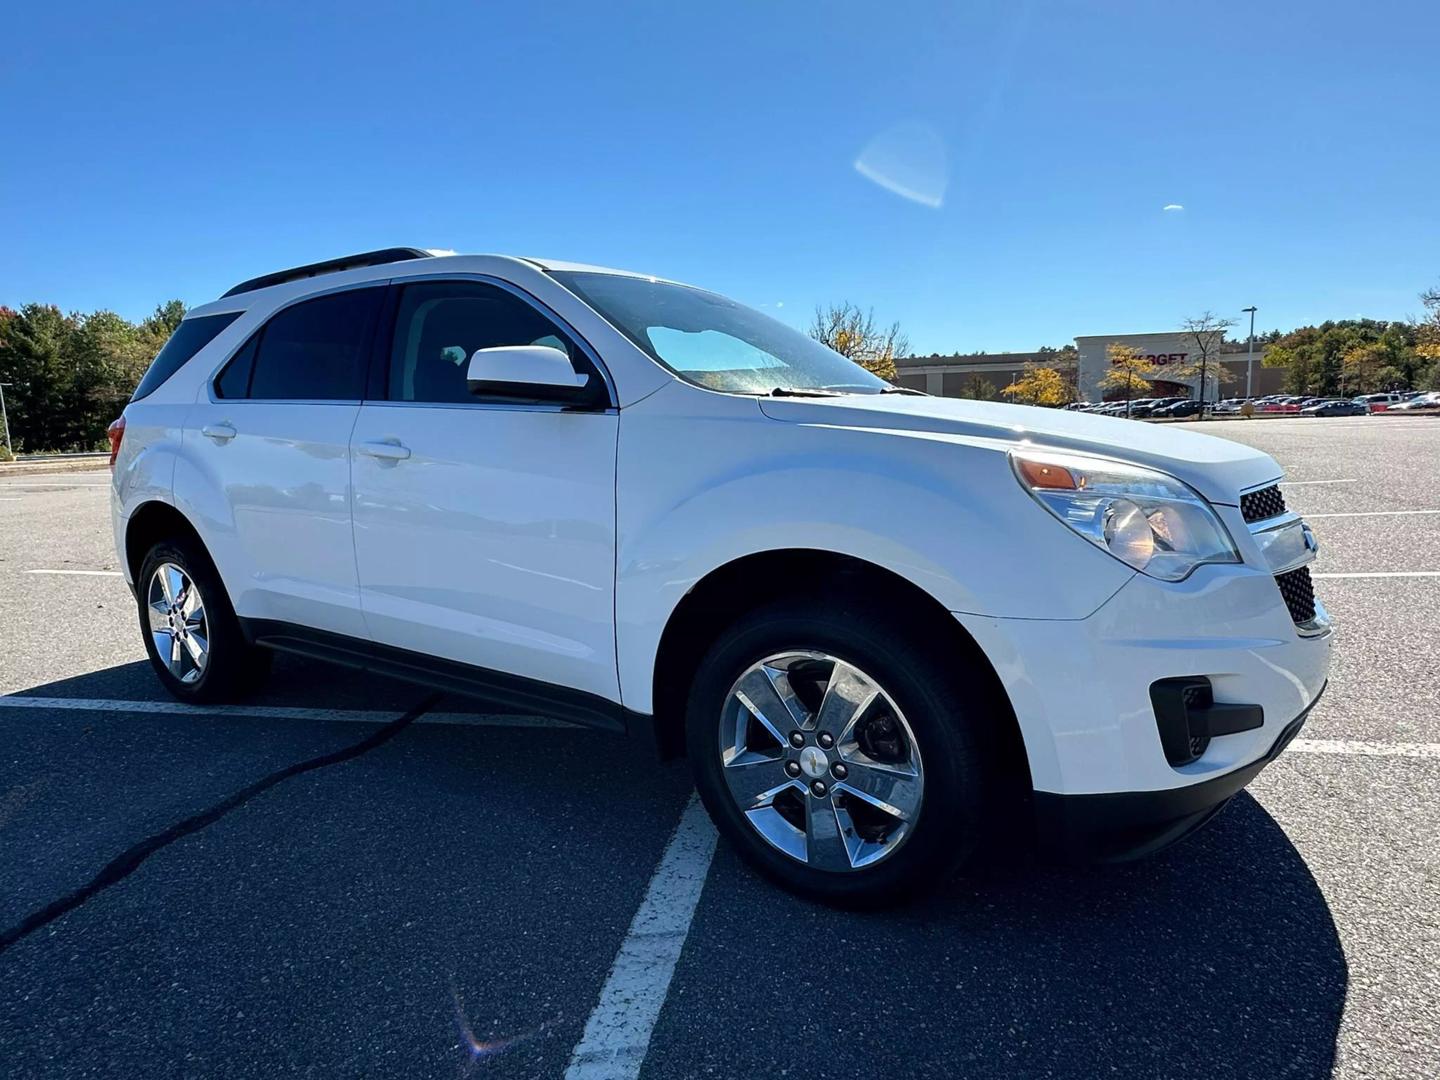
[813, 762]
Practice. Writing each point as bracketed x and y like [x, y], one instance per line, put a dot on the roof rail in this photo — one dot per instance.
[331, 266]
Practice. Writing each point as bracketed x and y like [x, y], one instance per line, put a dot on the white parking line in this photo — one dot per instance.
[1372, 513]
[1383, 574]
[1297, 483]
[617, 1035]
[271, 712]
[79, 573]
[1366, 749]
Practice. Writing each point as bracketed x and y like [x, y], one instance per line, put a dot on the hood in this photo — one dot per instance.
[1218, 468]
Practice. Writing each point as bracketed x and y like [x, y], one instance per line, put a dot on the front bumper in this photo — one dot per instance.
[1080, 688]
[1126, 825]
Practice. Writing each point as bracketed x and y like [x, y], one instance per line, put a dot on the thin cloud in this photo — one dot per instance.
[1172, 206]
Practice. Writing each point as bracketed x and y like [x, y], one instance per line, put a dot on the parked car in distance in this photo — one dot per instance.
[1377, 402]
[1181, 409]
[1427, 402]
[1154, 407]
[1121, 408]
[881, 626]
[1335, 407]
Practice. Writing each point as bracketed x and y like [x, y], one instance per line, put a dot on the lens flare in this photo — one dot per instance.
[480, 1049]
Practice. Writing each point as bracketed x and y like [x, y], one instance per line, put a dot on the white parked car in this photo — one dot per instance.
[883, 626]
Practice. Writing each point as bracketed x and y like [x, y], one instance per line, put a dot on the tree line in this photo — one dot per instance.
[1361, 356]
[69, 374]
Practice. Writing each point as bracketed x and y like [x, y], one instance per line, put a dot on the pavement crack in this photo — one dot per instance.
[131, 859]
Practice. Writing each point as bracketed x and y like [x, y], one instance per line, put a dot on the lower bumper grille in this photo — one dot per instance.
[1298, 592]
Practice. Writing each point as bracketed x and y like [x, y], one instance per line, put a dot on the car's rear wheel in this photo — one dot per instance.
[190, 630]
[841, 751]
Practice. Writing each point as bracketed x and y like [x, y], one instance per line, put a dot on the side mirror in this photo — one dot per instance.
[527, 373]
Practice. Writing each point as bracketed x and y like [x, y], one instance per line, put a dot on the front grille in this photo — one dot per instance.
[1262, 504]
[1299, 594]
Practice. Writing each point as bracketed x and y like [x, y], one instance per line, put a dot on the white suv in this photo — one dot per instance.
[882, 626]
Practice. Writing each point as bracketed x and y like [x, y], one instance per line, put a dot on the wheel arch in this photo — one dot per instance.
[735, 587]
[149, 523]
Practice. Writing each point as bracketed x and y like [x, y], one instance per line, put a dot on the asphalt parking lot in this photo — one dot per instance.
[351, 877]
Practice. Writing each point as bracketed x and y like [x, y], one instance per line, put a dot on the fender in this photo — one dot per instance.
[955, 524]
[144, 469]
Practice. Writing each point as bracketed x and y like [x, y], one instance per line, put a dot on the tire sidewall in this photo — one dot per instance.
[226, 644]
[947, 830]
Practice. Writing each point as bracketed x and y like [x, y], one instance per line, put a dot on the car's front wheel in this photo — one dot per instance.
[190, 630]
[840, 751]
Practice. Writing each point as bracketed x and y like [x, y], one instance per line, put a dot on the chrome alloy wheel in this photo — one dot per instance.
[177, 622]
[820, 760]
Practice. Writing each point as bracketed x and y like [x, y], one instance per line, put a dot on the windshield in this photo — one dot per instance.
[715, 342]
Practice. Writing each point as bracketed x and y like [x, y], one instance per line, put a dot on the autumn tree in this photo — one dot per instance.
[1039, 386]
[1129, 373]
[1206, 332]
[1427, 343]
[854, 334]
[1362, 367]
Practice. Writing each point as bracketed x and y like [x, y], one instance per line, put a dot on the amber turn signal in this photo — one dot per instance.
[1039, 475]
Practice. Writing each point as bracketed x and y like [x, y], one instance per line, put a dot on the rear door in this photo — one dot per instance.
[485, 529]
[271, 438]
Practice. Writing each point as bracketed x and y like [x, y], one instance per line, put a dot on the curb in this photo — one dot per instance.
[48, 468]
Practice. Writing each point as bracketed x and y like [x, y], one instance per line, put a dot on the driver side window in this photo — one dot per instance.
[440, 324]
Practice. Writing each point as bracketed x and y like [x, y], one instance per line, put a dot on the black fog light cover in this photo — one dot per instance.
[1188, 717]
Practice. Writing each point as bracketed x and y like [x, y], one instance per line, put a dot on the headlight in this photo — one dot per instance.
[1144, 518]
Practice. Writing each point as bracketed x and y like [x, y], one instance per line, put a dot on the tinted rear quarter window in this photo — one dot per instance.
[234, 381]
[189, 338]
[316, 350]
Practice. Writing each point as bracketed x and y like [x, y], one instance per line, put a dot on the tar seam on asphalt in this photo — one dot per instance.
[130, 860]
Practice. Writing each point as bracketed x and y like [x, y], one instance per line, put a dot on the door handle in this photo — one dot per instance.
[221, 432]
[385, 450]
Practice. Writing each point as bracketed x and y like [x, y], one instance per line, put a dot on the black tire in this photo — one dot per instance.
[950, 709]
[233, 668]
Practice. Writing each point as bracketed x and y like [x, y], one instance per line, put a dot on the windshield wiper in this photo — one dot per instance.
[803, 391]
[903, 390]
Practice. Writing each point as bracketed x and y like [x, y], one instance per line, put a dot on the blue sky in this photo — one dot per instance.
[1014, 159]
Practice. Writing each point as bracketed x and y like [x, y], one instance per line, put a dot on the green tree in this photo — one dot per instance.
[978, 388]
[1296, 363]
[71, 374]
[35, 360]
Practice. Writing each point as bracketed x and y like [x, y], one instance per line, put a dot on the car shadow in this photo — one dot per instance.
[1216, 958]
[294, 681]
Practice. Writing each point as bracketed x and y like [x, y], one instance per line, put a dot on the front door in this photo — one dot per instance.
[485, 530]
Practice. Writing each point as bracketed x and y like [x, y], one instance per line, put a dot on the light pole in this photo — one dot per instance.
[1250, 353]
[5, 418]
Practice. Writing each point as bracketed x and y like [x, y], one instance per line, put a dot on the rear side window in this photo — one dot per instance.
[312, 351]
[234, 381]
[189, 338]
